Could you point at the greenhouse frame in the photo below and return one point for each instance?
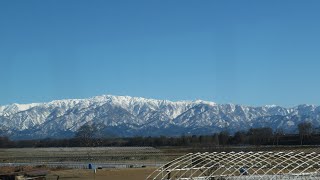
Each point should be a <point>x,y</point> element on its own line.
<point>240,166</point>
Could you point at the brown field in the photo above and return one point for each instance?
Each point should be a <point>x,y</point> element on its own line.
<point>72,163</point>
<point>102,174</point>
<point>99,155</point>
<point>82,174</point>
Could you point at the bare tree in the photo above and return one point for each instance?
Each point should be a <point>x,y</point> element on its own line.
<point>85,134</point>
<point>239,137</point>
<point>259,136</point>
<point>223,138</point>
<point>278,133</point>
<point>305,130</point>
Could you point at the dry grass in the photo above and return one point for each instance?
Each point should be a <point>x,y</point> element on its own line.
<point>82,174</point>
<point>102,174</point>
<point>17,169</point>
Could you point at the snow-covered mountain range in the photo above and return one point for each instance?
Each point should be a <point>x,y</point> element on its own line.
<point>131,116</point>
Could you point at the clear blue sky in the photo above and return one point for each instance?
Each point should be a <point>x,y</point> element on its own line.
<point>246,52</point>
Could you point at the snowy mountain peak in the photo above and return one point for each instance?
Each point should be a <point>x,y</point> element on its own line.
<point>130,116</point>
<point>204,102</point>
<point>271,106</point>
<point>14,108</point>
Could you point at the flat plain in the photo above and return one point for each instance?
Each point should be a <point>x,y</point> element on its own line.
<point>117,163</point>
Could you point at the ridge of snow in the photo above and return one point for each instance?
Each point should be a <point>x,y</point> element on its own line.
<point>138,112</point>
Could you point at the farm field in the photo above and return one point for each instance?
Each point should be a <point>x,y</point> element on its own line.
<point>115,174</point>
<point>82,174</point>
<point>78,157</point>
<point>111,162</point>
<point>73,163</point>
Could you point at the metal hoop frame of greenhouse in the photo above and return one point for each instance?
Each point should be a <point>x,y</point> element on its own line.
<point>241,166</point>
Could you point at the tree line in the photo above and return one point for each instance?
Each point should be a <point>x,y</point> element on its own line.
<point>86,137</point>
